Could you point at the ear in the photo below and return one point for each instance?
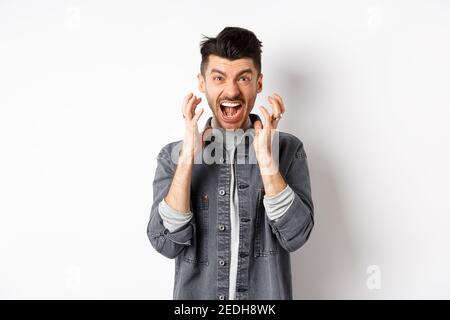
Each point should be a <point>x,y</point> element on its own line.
<point>201,83</point>
<point>259,83</point>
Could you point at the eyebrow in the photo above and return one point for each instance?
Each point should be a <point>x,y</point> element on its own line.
<point>240,72</point>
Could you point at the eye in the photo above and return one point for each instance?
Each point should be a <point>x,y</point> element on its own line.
<point>218,78</point>
<point>244,78</point>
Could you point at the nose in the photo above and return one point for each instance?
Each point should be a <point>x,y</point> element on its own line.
<point>232,89</point>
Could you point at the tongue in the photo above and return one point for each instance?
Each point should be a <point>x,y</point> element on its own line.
<point>230,111</point>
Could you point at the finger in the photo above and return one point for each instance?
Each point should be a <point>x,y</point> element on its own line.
<point>281,102</point>
<point>257,125</point>
<point>278,111</point>
<point>198,114</point>
<point>276,108</point>
<point>185,101</point>
<point>266,115</point>
<point>265,139</point>
<point>189,107</point>
<point>195,104</point>
<point>206,132</point>
<point>185,108</point>
<point>187,97</point>
<point>206,136</point>
<point>283,109</point>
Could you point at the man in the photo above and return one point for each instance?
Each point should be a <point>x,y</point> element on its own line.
<point>231,223</point>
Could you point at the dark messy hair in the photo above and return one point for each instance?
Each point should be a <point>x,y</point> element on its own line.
<point>232,43</point>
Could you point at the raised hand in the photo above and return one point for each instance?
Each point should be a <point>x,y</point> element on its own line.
<point>192,140</point>
<point>263,134</point>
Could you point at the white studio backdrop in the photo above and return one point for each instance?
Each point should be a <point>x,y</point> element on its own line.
<point>91,90</point>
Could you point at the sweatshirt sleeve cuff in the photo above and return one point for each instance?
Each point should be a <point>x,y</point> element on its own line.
<point>278,204</point>
<point>173,219</point>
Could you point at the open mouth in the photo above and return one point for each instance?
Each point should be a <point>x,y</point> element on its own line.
<point>231,111</point>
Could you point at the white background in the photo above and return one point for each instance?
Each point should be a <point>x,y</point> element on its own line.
<point>91,90</point>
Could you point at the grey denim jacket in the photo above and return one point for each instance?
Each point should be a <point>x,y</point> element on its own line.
<point>201,248</point>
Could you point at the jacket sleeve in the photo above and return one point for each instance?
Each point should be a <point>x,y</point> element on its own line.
<point>169,244</point>
<point>294,226</point>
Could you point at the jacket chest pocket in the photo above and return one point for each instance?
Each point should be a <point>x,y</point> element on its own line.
<point>266,242</point>
<point>197,252</point>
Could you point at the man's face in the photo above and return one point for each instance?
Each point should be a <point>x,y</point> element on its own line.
<point>230,88</point>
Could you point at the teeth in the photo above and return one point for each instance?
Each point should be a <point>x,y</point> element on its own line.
<point>230,104</point>
<point>230,109</point>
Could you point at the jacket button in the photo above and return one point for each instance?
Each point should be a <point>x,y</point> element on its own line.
<point>222,263</point>
<point>221,297</point>
<point>221,192</point>
<point>221,227</point>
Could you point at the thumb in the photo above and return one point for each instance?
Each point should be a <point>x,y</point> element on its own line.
<point>205,136</point>
<point>198,114</point>
<point>257,125</point>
